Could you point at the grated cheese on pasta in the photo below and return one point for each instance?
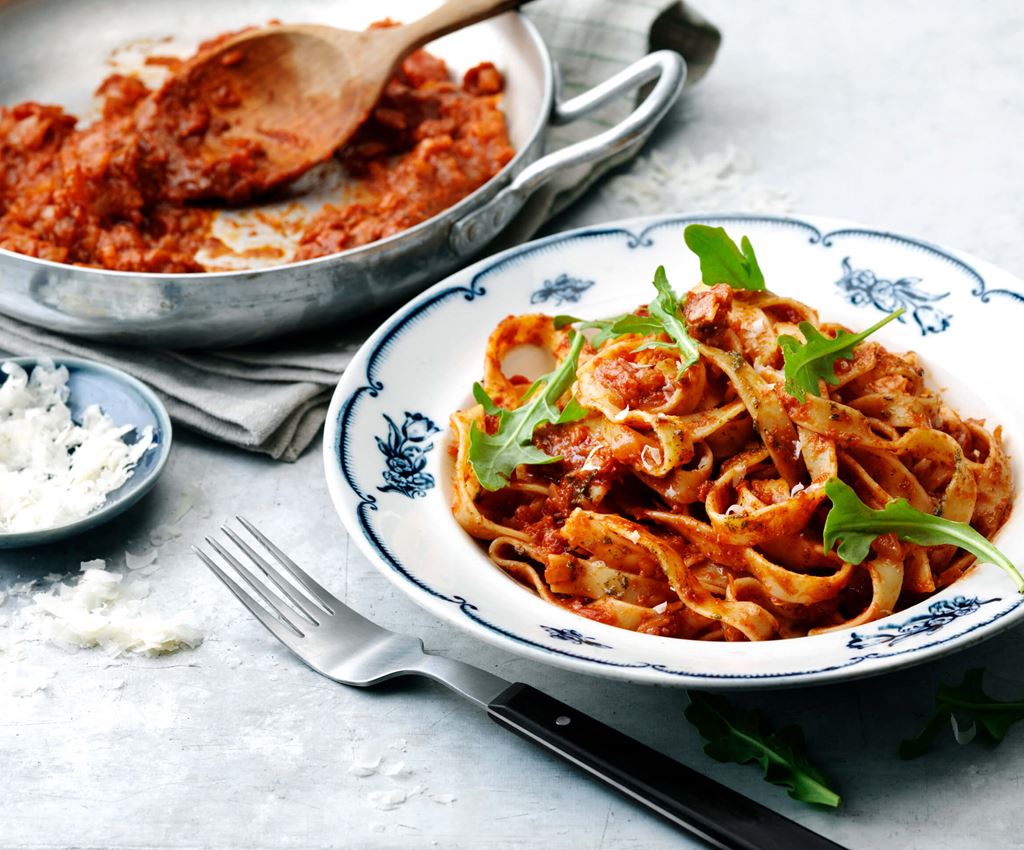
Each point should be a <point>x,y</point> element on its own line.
<point>52,470</point>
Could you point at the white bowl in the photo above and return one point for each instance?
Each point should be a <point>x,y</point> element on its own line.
<point>394,495</point>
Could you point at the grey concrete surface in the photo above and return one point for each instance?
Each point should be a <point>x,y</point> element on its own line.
<point>906,116</point>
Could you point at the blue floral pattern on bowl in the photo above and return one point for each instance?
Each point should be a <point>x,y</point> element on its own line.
<point>863,287</point>
<point>573,636</point>
<point>563,289</point>
<point>405,453</point>
<point>940,614</point>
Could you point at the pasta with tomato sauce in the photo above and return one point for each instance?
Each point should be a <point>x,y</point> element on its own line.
<point>691,503</point>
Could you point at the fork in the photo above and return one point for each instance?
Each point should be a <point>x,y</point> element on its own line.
<point>337,642</point>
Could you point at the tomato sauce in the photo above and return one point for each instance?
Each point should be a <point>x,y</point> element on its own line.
<point>109,194</point>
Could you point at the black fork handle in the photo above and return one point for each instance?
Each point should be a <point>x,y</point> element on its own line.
<point>720,816</point>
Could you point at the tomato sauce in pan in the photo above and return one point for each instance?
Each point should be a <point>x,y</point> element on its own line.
<point>108,194</point>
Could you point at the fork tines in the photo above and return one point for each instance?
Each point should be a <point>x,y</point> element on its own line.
<point>293,603</point>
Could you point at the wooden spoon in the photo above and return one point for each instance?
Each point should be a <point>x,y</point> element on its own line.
<point>264,106</point>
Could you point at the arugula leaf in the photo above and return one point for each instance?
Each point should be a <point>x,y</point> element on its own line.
<point>808,362</point>
<point>665,309</point>
<point>969,711</point>
<point>495,456</point>
<point>664,318</point>
<point>733,735</point>
<point>721,261</point>
<point>627,323</point>
<point>856,525</point>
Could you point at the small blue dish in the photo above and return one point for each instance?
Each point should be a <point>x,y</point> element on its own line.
<point>126,401</point>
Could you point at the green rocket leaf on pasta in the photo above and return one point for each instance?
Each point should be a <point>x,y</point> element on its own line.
<point>969,712</point>
<point>856,525</point>
<point>665,310</point>
<point>627,323</point>
<point>663,317</point>
<point>495,456</point>
<point>807,363</point>
<point>742,737</point>
<point>721,261</point>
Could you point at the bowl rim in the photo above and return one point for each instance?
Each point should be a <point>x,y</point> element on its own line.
<point>473,199</point>
<point>109,509</point>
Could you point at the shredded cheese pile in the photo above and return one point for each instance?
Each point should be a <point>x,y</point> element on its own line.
<point>52,470</point>
<point>100,608</point>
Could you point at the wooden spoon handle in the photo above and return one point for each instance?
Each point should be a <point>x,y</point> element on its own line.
<point>446,18</point>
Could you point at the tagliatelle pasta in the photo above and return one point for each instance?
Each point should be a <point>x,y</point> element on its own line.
<point>691,504</point>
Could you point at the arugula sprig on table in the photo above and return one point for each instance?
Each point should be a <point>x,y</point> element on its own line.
<point>495,456</point>
<point>856,525</point>
<point>807,363</point>
<point>734,735</point>
<point>969,712</point>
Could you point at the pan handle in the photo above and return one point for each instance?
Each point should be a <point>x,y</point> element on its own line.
<point>474,230</point>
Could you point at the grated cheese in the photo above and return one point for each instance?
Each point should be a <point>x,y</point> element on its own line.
<point>53,471</point>
<point>590,464</point>
<point>101,609</point>
<point>621,415</point>
<point>650,456</point>
<point>718,180</point>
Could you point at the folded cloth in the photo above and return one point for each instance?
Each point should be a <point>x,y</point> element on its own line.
<point>273,397</point>
<point>271,400</point>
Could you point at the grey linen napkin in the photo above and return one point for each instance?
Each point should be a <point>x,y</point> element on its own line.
<point>273,397</point>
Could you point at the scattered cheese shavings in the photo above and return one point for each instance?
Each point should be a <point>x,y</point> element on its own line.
<point>164,534</point>
<point>735,510</point>
<point>137,562</point>
<point>190,500</point>
<point>718,180</point>
<point>660,608</point>
<point>21,588</point>
<point>101,609</point>
<point>26,681</point>
<point>798,447</point>
<point>962,736</point>
<point>589,464</point>
<point>796,489</point>
<point>387,800</point>
<point>650,456</point>
<point>52,470</point>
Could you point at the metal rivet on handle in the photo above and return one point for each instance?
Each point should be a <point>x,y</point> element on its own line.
<point>562,720</point>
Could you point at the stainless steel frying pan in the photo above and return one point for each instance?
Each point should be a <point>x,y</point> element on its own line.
<point>57,51</point>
